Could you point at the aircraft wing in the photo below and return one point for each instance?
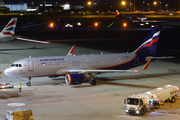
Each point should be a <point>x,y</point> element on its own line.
<point>101,71</point>
<point>110,71</point>
<point>31,40</point>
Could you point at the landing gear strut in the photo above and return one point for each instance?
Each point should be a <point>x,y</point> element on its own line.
<point>92,81</point>
<point>29,82</point>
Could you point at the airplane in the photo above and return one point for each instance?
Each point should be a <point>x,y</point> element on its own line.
<point>8,33</point>
<point>80,68</point>
<point>137,17</point>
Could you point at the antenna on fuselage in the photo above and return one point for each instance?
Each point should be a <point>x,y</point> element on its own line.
<point>30,56</point>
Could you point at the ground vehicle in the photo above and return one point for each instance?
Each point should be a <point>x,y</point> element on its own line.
<point>19,114</point>
<point>6,85</point>
<point>140,103</point>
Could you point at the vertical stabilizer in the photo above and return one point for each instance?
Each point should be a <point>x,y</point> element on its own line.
<point>10,27</point>
<point>149,44</point>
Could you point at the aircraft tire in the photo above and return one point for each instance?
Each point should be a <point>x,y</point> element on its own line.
<point>28,84</point>
<point>93,82</point>
<point>173,100</point>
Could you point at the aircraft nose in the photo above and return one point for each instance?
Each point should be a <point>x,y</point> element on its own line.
<point>8,72</point>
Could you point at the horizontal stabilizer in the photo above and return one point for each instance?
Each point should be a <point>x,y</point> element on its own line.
<point>30,40</point>
<point>147,64</point>
<point>149,57</point>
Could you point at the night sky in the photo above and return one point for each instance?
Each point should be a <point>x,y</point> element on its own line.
<point>107,1</point>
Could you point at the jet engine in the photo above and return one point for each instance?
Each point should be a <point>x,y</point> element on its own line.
<point>74,79</point>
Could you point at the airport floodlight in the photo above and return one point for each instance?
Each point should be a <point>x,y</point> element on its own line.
<point>124,24</point>
<point>89,3</point>
<point>123,3</point>
<point>51,25</point>
<point>96,24</point>
<point>155,3</point>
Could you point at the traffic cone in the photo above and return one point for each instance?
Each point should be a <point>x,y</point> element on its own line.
<point>170,106</point>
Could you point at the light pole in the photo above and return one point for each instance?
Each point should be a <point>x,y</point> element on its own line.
<point>134,6</point>
<point>89,4</point>
<point>166,7</point>
<point>155,3</point>
<point>143,5</point>
<point>147,6</point>
<point>123,3</point>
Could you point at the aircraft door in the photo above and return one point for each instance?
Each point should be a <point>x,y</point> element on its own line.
<point>30,65</point>
<point>136,60</point>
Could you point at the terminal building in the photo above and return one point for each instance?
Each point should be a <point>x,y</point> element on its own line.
<point>3,8</point>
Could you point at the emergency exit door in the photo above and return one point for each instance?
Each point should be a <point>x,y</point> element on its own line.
<point>30,65</point>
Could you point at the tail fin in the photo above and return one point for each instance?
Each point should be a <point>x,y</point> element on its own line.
<point>117,12</point>
<point>149,44</point>
<point>10,27</point>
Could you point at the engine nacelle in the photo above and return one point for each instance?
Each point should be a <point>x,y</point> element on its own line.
<point>74,79</point>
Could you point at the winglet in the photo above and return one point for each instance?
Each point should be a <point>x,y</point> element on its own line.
<point>71,50</point>
<point>147,64</point>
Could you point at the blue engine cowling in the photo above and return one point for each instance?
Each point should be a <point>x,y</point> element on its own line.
<point>74,79</point>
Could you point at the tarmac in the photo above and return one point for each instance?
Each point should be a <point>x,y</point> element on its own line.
<point>51,98</point>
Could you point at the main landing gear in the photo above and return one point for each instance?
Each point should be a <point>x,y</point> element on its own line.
<point>29,82</point>
<point>92,81</point>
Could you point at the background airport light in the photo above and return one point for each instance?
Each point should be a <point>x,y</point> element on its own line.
<point>124,24</point>
<point>89,3</point>
<point>95,24</point>
<point>51,25</point>
<point>123,3</point>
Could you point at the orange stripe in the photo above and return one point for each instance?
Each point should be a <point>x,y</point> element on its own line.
<point>70,80</point>
<point>147,64</point>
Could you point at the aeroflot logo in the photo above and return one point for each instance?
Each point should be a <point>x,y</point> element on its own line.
<point>176,91</point>
<point>54,59</point>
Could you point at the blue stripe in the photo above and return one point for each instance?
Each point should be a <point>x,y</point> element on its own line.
<point>12,28</point>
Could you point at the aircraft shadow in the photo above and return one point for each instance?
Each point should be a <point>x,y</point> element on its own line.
<point>29,48</point>
<point>139,76</point>
<point>108,80</point>
<point>8,94</point>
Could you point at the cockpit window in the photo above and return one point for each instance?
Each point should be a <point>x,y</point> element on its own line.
<point>16,65</point>
<point>12,65</point>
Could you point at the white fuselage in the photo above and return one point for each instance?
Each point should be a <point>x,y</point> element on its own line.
<point>60,65</point>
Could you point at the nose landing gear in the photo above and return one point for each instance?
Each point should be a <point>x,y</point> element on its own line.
<point>29,82</point>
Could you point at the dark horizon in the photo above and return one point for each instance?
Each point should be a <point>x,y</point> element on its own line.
<point>107,1</point>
